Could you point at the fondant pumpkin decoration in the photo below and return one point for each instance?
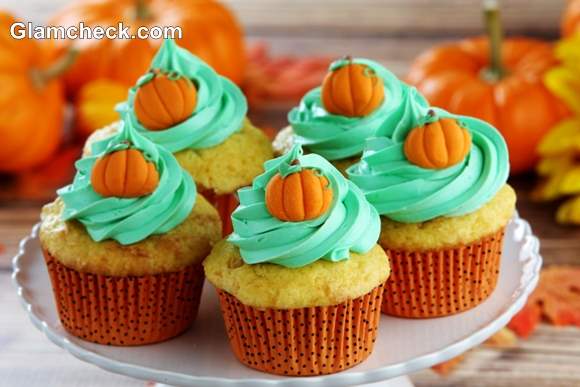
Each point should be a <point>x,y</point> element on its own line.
<point>209,30</point>
<point>165,101</point>
<point>439,144</point>
<point>300,196</point>
<point>125,174</point>
<point>352,90</point>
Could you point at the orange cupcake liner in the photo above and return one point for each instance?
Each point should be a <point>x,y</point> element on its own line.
<point>442,282</point>
<point>303,341</point>
<point>125,311</point>
<point>225,205</point>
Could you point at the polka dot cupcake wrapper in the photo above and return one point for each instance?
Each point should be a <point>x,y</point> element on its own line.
<point>225,205</point>
<point>442,282</point>
<point>304,341</point>
<point>124,311</point>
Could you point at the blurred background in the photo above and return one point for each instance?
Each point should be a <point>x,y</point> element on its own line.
<point>53,94</point>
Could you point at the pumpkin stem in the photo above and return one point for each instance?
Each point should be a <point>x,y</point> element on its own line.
<point>40,77</point>
<point>429,118</point>
<point>495,71</point>
<point>142,11</point>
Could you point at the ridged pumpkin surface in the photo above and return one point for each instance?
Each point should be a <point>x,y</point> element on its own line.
<point>299,196</point>
<point>353,90</point>
<point>165,101</point>
<point>125,174</point>
<point>438,145</point>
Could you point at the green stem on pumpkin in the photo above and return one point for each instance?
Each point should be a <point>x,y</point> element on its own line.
<point>40,77</point>
<point>495,71</point>
<point>142,11</point>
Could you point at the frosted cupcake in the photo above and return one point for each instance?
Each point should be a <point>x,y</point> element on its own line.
<point>124,244</point>
<point>441,190</point>
<point>185,106</point>
<point>301,278</point>
<point>358,99</point>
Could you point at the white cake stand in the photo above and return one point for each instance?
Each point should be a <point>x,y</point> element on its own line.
<point>201,357</point>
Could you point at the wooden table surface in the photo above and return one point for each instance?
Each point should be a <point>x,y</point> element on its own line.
<point>392,32</point>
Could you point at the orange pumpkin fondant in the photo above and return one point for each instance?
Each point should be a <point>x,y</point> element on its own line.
<point>299,196</point>
<point>165,101</point>
<point>125,173</point>
<point>353,90</point>
<point>437,145</point>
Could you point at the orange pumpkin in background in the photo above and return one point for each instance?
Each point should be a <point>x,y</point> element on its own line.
<point>352,90</point>
<point>210,31</point>
<point>518,103</point>
<point>501,83</point>
<point>570,23</point>
<point>300,196</point>
<point>124,174</point>
<point>439,144</point>
<point>31,101</point>
<point>165,101</point>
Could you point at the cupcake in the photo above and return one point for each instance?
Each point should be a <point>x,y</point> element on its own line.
<point>124,244</point>
<point>441,190</point>
<point>185,106</point>
<point>358,99</point>
<point>300,280</point>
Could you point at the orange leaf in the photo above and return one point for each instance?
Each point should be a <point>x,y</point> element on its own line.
<point>556,300</point>
<point>281,79</point>
<point>526,321</point>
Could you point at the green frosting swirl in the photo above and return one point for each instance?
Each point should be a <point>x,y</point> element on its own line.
<point>221,106</point>
<point>350,224</point>
<point>338,137</point>
<point>130,220</point>
<point>408,193</point>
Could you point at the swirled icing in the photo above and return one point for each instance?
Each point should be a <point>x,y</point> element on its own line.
<point>408,193</point>
<point>130,220</point>
<point>350,224</point>
<point>220,110</point>
<point>338,137</point>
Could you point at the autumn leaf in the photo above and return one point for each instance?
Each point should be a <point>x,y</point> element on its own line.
<point>281,79</point>
<point>556,300</point>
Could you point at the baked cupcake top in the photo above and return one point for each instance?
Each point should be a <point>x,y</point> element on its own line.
<point>300,210</point>
<point>128,189</point>
<point>182,103</point>
<point>358,98</point>
<point>321,283</point>
<point>447,165</point>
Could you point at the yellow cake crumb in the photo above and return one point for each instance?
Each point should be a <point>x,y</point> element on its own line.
<point>284,141</point>
<point>321,283</point>
<point>223,168</point>
<point>188,243</point>
<point>446,232</point>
